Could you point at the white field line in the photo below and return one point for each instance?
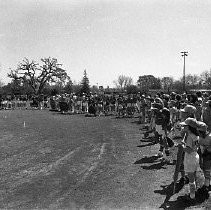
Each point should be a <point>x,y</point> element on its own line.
<point>43,170</point>
<point>48,169</point>
<point>94,165</point>
<point>63,159</point>
<point>87,173</point>
<point>102,150</point>
<point>113,148</point>
<point>52,167</point>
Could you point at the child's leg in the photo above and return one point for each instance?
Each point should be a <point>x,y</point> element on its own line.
<point>192,184</point>
<point>206,186</point>
<point>207,169</point>
<point>184,179</point>
<point>207,176</point>
<point>182,170</point>
<point>164,142</point>
<point>162,145</point>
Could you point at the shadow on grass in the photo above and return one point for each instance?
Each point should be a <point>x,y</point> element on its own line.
<point>146,140</point>
<point>167,190</point>
<point>150,159</point>
<point>137,122</point>
<point>60,113</point>
<point>53,110</point>
<point>153,159</point>
<point>146,145</point>
<point>149,139</point>
<point>182,202</point>
<point>70,113</point>
<point>156,166</point>
<point>124,117</point>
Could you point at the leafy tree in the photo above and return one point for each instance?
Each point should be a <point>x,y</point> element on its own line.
<point>95,89</point>
<point>167,83</point>
<point>206,79</point>
<point>85,88</point>
<point>54,91</point>
<point>132,89</point>
<point>147,82</point>
<point>37,76</point>
<point>68,88</point>
<point>192,81</point>
<point>6,89</point>
<point>47,90</point>
<point>178,86</point>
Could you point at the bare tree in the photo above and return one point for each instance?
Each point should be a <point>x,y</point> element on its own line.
<point>37,76</point>
<point>123,81</point>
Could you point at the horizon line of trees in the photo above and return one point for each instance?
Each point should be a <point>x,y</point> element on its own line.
<point>145,83</point>
<point>48,78</point>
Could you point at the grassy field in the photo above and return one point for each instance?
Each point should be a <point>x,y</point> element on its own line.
<point>54,161</point>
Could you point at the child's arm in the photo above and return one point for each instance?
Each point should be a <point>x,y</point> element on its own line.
<point>187,149</point>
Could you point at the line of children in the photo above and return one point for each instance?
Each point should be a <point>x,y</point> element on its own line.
<point>197,149</point>
<point>186,112</point>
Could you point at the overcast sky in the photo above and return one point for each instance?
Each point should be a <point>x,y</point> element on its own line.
<point>108,38</point>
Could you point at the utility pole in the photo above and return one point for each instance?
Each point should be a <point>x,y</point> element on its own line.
<point>183,55</point>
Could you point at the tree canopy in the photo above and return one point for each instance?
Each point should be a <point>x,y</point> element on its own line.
<point>147,82</point>
<point>37,76</point>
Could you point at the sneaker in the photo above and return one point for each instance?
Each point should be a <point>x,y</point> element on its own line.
<point>185,180</point>
<point>160,154</point>
<point>146,135</point>
<point>190,198</point>
<point>205,191</point>
<point>182,181</point>
<point>163,160</point>
<point>156,140</point>
<point>167,161</point>
<point>167,152</point>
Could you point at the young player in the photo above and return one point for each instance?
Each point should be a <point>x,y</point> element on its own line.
<point>190,147</point>
<point>162,119</point>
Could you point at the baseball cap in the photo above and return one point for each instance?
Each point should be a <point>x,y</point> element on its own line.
<point>157,106</point>
<point>208,103</point>
<point>158,100</point>
<point>202,126</point>
<point>192,122</point>
<point>190,109</point>
<point>200,99</point>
